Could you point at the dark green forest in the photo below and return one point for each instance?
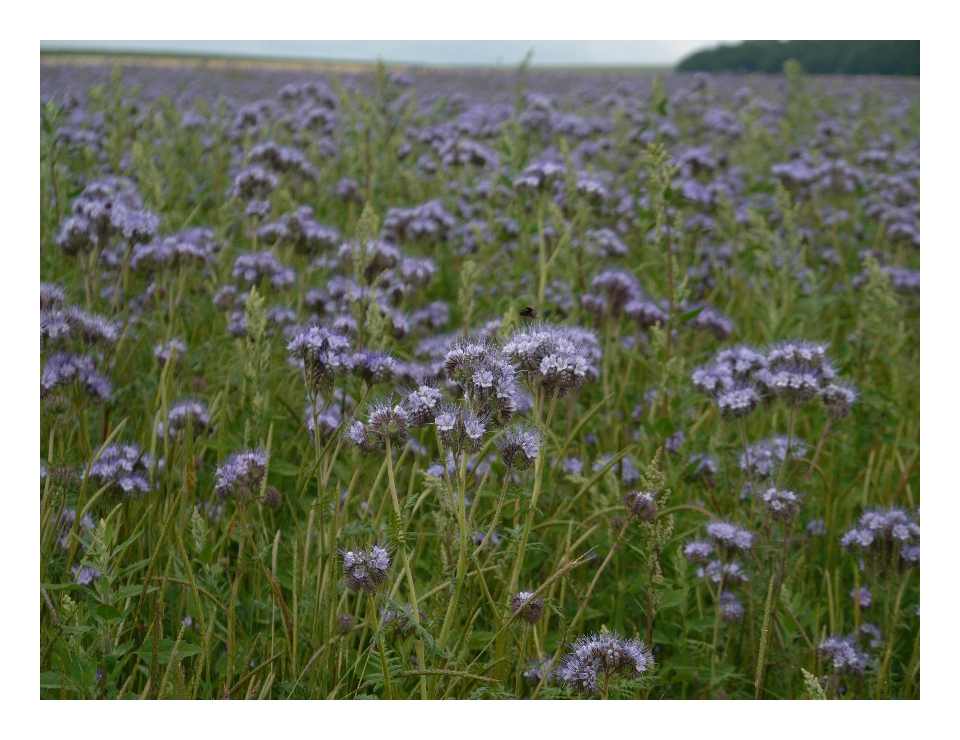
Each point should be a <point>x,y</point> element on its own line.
<point>817,57</point>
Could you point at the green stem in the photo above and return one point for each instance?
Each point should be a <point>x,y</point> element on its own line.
<point>406,565</point>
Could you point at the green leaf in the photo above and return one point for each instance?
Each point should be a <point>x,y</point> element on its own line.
<point>164,650</point>
<point>107,611</point>
<point>61,586</point>
<point>76,629</point>
<point>690,315</point>
<point>128,592</point>
<point>206,554</point>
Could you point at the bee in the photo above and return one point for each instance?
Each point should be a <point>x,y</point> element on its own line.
<point>528,312</point>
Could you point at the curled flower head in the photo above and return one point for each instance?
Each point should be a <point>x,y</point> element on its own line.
<point>641,505</point>
<point>519,447</point>
<point>698,551</point>
<point>618,288</point>
<point>527,606</point>
<point>797,371</point>
<point>389,422</point>
<point>730,573</point>
<point>240,475</point>
<point>731,609</point>
<point>363,437</point>
<point>540,667</point>
<point>782,505</point>
<point>327,422</point>
<point>558,358</point>
<point>92,328</point>
<point>486,378</point>
<point>838,400</point>
<point>373,367</point>
<point>325,356</point>
<point>862,598</point>
<point>737,402</point>
<point>768,454</point>
<point>887,538</point>
<point>177,415</point>
<point>365,570</point>
<point>423,404</point>
<point>172,351</point>
<point>729,537</point>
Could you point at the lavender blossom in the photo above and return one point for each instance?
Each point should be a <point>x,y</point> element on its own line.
<point>781,505</point>
<point>124,469</point>
<point>241,474</point>
<point>600,656</point>
<point>842,656</point>
<point>365,570</point>
<point>519,447</point>
<point>729,538</point>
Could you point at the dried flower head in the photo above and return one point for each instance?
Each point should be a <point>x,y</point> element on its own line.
<point>526,606</point>
<point>641,505</point>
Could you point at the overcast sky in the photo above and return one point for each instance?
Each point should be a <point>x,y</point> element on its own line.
<point>507,53</point>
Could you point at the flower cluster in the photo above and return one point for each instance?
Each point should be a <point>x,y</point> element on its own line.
<point>124,468</point>
<point>885,537</point>
<point>641,505</point>
<point>177,415</point>
<point>325,355</point>
<point>365,570</point>
<point>739,378</point>
<point>486,377</point>
<point>386,421</point>
<point>781,505</point>
<point>842,656</point>
<point>558,359</point>
<point>603,655</point>
<point>241,475</point>
<point>520,446</point>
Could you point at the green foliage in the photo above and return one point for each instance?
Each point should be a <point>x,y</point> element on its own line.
<point>816,57</point>
<point>202,598</point>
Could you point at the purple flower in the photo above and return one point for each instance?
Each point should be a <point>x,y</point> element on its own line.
<point>240,475</point>
<point>600,656</point>
<point>641,505</point>
<point>697,551</point>
<point>842,656</point>
<point>729,537</point>
<point>519,447</point>
<point>423,405</point>
<point>365,570</point>
<point>124,468</point>
<point>782,505</point>
<point>731,609</point>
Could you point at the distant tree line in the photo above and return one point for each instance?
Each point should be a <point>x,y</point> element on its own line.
<point>816,57</point>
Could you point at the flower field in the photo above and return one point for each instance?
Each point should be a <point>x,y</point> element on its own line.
<point>478,384</point>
